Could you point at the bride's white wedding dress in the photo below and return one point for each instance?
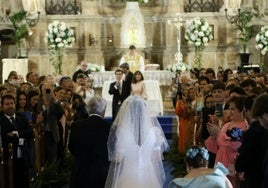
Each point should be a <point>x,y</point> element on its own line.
<point>140,165</point>
<point>136,151</point>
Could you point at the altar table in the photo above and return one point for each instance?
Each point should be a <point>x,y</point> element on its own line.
<point>162,76</point>
<point>13,64</point>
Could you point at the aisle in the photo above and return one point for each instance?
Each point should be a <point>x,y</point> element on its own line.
<point>168,168</point>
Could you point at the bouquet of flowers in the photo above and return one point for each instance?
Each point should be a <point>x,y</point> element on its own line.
<point>180,66</point>
<point>262,40</point>
<point>235,134</point>
<point>59,35</point>
<point>198,33</point>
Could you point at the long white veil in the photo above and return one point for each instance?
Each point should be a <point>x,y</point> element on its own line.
<point>135,145</point>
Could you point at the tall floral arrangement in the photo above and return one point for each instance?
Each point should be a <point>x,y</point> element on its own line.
<point>262,43</point>
<point>244,18</point>
<point>198,33</point>
<point>58,37</point>
<point>18,21</point>
<point>262,40</point>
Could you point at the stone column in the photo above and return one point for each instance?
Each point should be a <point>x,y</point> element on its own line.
<point>89,7</point>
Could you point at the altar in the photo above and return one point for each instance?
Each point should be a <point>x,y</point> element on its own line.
<point>162,76</point>
<point>154,99</point>
<point>14,64</point>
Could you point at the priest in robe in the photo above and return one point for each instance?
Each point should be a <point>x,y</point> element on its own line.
<point>134,59</point>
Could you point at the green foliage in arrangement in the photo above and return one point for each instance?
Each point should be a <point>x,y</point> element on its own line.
<point>55,175</point>
<point>244,18</point>
<point>176,159</point>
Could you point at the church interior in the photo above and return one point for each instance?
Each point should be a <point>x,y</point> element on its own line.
<point>99,39</point>
<point>103,30</point>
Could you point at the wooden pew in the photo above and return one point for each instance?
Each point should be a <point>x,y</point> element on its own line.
<point>2,167</point>
<point>10,165</point>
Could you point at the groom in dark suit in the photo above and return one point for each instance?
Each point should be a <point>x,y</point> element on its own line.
<point>88,145</point>
<point>16,130</point>
<point>120,91</point>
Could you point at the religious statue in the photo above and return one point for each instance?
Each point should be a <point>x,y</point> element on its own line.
<point>34,6</point>
<point>135,60</point>
<point>232,4</point>
<point>132,29</point>
<point>262,4</point>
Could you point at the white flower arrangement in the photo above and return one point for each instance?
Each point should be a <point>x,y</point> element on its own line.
<point>262,40</point>
<point>94,67</point>
<point>59,35</point>
<point>180,66</point>
<point>140,1</point>
<point>198,33</point>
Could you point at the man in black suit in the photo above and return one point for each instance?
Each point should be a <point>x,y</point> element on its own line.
<point>16,130</point>
<point>88,145</point>
<point>120,91</point>
<point>128,76</point>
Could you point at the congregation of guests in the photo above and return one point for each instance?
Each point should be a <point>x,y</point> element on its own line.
<point>223,113</point>
<point>43,112</point>
<point>49,107</point>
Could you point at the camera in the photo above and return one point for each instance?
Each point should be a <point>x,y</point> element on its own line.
<point>219,108</point>
<point>48,91</point>
<point>188,100</point>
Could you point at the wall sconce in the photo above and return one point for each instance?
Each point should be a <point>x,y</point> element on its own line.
<point>91,40</point>
<point>232,19</point>
<point>32,19</point>
<point>110,40</point>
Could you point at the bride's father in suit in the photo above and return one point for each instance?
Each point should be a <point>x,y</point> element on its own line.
<point>88,145</point>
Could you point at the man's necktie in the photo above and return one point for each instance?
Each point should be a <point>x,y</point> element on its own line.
<point>12,119</point>
<point>120,88</point>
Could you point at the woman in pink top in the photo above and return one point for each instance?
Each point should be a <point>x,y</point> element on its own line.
<point>228,137</point>
<point>138,86</point>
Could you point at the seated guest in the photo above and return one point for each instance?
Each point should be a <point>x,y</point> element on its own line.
<point>199,175</point>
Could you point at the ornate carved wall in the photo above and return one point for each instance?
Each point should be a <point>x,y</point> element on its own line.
<point>101,20</point>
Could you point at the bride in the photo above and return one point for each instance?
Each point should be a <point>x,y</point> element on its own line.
<point>135,146</point>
